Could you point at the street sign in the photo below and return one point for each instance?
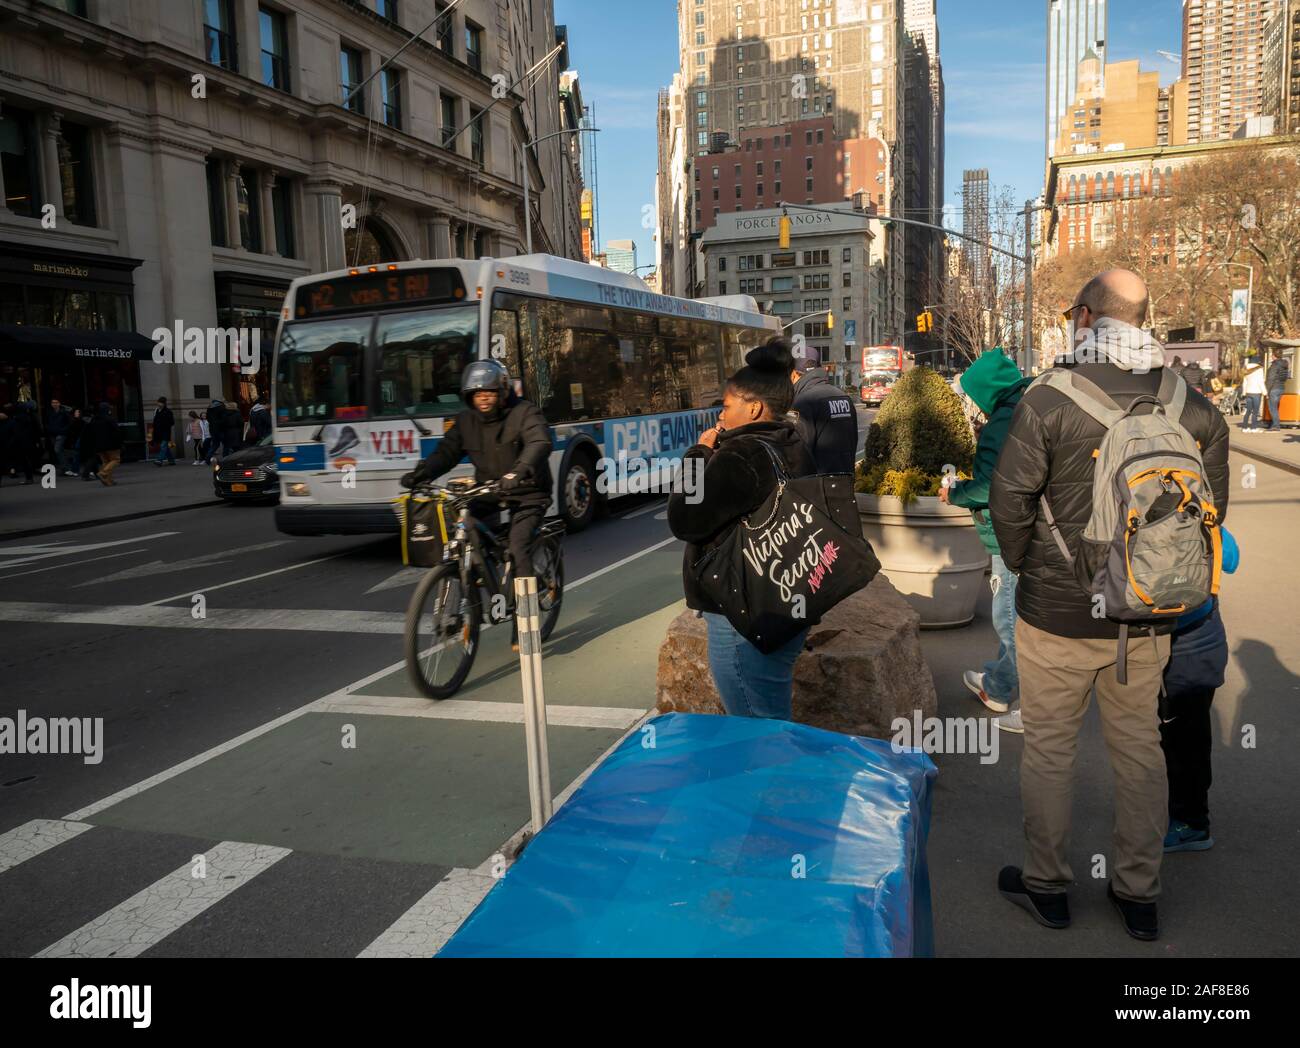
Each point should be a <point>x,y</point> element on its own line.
<point>850,332</point>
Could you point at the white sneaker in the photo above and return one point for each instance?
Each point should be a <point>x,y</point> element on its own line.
<point>1010,723</point>
<point>975,681</point>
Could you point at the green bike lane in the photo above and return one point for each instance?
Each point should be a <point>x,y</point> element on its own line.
<point>372,771</point>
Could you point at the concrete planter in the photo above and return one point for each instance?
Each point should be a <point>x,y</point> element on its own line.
<point>930,552</point>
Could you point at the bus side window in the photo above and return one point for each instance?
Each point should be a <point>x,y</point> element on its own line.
<point>503,346</point>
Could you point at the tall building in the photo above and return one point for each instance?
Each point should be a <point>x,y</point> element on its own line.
<point>975,224</point>
<point>621,255</point>
<point>1121,107</point>
<point>1223,64</point>
<point>1074,27</point>
<point>1282,68</point>
<point>924,157</point>
<point>168,163</point>
<point>757,64</point>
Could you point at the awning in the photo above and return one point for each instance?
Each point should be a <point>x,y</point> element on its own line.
<point>66,345</point>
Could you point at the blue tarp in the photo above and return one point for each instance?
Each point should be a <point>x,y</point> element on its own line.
<point>705,836</point>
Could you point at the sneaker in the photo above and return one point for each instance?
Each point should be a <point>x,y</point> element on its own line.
<point>1139,918</point>
<point>975,681</point>
<point>1182,837</point>
<point>1049,910</point>
<point>68,473</point>
<point>1010,723</point>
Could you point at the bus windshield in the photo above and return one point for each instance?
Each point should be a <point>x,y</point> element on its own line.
<point>323,367</point>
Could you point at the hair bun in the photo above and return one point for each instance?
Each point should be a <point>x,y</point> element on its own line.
<point>774,355</point>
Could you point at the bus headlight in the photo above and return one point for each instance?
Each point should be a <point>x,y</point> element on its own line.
<point>297,490</point>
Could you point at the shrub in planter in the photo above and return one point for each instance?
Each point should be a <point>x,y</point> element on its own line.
<point>920,429</point>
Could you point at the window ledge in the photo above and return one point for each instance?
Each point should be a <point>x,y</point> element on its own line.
<point>65,234</point>
<point>261,264</point>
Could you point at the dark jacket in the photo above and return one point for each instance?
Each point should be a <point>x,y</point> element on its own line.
<point>1049,451</point>
<point>995,384</point>
<point>738,478</point>
<point>29,430</point>
<point>163,421</point>
<point>259,421</point>
<point>516,441</point>
<point>101,434</point>
<point>76,427</point>
<point>828,422</point>
<point>57,424</point>
<point>232,429</point>
<point>1278,374</point>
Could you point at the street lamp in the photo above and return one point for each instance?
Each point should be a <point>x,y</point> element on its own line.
<point>819,313</point>
<point>528,204</point>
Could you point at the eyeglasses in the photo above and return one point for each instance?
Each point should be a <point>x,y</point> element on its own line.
<point>1067,314</point>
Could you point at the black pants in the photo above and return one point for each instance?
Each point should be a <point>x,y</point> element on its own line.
<point>1187,741</point>
<point>525,518</point>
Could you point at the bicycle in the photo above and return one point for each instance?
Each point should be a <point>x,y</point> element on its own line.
<point>449,607</point>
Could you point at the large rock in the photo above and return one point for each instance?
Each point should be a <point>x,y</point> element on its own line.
<point>862,667</point>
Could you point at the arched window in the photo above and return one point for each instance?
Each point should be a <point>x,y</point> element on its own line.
<point>1110,186</point>
<point>1169,181</point>
<point>1128,186</point>
<point>368,245</point>
<point>1074,188</point>
<point>1155,181</point>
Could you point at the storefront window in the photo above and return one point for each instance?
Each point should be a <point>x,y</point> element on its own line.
<point>18,159</point>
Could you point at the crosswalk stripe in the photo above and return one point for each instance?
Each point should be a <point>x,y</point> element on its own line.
<point>618,718</point>
<point>31,838</point>
<point>423,929</point>
<point>324,620</point>
<point>149,916</point>
<point>58,550</point>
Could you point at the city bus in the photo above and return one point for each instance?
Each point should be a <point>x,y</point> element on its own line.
<point>882,366</point>
<point>368,364</point>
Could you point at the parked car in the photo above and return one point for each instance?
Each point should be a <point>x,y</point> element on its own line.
<point>248,474</point>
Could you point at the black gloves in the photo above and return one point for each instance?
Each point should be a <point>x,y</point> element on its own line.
<point>509,482</point>
<point>409,480</point>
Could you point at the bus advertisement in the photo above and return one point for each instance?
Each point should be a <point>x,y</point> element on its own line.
<point>881,368</point>
<point>368,365</point>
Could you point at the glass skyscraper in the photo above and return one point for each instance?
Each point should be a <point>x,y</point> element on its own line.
<point>1074,27</point>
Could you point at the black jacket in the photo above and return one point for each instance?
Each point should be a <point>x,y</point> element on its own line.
<point>1049,451</point>
<point>101,435</point>
<point>259,421</point>
<point>163,421</point>
<point>828,422</point>
<point>516,441</point>
<point>1277,375</point>
<point>738,478</point>
<point>57,424</point>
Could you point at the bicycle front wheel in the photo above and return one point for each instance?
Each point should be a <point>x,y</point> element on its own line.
<point>442,625</point>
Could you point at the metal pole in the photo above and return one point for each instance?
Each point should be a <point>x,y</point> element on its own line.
<point>528,209</point>
<point>528,622</point>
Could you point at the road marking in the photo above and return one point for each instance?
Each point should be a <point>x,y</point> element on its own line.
<point>400,580</point>
<point>31,838</point>
<point>149,916</point>
<point>424,929</point>
<point>71,564</point>
<point>162,567</point>
<point>253,733</point>
<point>642,511</point>
<point>251,578</point>
<point>64,551</point>
<point>622,563</point>
<point>616,717</point>
<point>304,620</point>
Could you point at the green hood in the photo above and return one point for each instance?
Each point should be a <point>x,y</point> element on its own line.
<point>988,378</point>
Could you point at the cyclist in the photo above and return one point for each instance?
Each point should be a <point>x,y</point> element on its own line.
<point>507,441</point>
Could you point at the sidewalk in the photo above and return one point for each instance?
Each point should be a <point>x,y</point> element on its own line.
<point>1281,449</point>
<point>142,490</point>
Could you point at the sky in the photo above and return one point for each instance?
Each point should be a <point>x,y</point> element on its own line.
<point>994,59</point>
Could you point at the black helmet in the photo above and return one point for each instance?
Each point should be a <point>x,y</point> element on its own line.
<point>484,376</point>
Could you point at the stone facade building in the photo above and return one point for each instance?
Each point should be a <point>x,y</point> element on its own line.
<point>178,162</point>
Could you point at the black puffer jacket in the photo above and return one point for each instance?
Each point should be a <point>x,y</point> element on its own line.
<point>516,441</point>
<point>738,478</point>
<point>1049,451</point>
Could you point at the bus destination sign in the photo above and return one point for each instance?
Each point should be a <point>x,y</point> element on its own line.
<point>367,291</point>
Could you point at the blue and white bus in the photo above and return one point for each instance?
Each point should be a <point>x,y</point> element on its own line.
<point>368,364</point>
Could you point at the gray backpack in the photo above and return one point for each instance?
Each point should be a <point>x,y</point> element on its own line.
<point>1154,530</point>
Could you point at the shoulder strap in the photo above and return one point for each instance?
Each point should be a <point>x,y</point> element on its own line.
<point>777,464</point>
<point>1173,395</point>
<point>1086,394</point>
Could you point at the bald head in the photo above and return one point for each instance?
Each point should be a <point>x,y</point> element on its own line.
<point>1117,293</point>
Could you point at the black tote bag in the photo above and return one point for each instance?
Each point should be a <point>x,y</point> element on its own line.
<point>781,570</point>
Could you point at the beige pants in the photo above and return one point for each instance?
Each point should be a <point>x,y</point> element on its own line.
<point>109,461</point>
<point>1057,675</point>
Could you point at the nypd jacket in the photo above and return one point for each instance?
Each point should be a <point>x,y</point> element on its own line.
<point>827,422</point>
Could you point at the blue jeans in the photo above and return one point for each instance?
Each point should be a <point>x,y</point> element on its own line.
<point>1252,411</point>
<point>165,453</point>
<point>1275,407</point>
<point>751,684</point>
<point>1000,678</point>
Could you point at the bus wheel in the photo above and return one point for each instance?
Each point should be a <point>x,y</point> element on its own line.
<point>578,494</point>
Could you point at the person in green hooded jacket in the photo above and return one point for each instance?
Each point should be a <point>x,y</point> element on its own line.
<point>995,384</point>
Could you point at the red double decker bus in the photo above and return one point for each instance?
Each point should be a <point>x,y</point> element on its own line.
<point>881,368</point>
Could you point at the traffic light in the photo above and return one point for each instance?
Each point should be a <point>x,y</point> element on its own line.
<point>925,322</point>
<point>785,232</point>
<point>830,321</point>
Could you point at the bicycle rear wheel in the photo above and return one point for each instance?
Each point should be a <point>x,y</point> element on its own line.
<point>548,563</point>
<point>442,626</point>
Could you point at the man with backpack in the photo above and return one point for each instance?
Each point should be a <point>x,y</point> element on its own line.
<point>1105,502</point>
